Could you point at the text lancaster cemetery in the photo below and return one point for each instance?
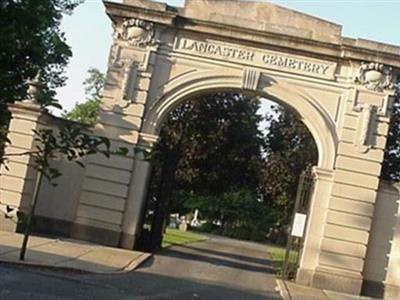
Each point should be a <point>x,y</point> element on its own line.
<point>261,58</point>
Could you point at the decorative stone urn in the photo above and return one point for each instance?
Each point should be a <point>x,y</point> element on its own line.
<point>375,76</point>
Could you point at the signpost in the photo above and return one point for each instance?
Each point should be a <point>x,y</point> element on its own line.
<point>296,234</point>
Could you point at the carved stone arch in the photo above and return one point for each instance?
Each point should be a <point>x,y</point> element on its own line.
<point>312,114</point>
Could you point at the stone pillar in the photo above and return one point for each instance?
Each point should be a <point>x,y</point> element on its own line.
<point>137,195</point>
<point>392,281</point>
<point>347,227</point>
<point>315,225</point>
<point>17,177</point>
<point>106,186</point>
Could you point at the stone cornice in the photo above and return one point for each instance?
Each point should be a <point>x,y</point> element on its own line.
<point>346,49</point>
<point>26,108</point>
<point>36,112</point>
<point>122,11</point>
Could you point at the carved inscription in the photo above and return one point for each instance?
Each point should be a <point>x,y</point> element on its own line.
<point>268,59</point>
<point>214,49</point>
<point>295,64</point>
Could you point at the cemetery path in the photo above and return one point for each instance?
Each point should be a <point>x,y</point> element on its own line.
<point>218,268</point>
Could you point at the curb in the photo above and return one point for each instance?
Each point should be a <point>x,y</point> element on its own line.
<point>282,289</point>
<point>43,266</point>
<point>131,266</point>
<point>136,263</point>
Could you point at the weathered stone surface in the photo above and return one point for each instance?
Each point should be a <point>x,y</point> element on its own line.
<point>263,17</point>
<point>162,56</point>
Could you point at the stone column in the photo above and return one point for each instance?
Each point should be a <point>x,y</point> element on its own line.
<point>17,176</point>
<point>347,227</point>
<point>392,282</point>
<point>137,195</point>
<point>315,225</point>
<point>106,185</point>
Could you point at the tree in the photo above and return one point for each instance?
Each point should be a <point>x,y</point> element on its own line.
<point>31,43</point>
<point>207,146</point>
<point>32,46</point>
<point>88,111</point>
<point>290,148</point>
<point>239,212</point>
<point>391,161</point>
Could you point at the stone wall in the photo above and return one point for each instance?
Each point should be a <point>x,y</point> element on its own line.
<point>57,205</point>
<point>383,245</point>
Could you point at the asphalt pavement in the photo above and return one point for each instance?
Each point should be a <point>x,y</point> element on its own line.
<point>218,268</point>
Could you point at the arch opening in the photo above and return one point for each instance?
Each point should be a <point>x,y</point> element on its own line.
<point>176,111</point>
<point>316,119</point>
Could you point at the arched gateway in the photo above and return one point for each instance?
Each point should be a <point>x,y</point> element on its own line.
<point>341,87</point>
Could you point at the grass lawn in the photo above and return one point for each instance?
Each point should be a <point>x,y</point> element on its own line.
<point>278,256</point>
<point>176,237</point>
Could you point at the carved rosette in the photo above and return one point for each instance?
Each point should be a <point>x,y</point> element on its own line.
<point>135,32</point>
<point>375,76</point>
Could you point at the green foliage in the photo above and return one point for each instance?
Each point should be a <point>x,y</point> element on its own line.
<point>207,146</point>
<point>239,213</point>
<point>290,148</point>
<point>4,121</point>
<point>391,162</point>
<point>31,41</point>
<point>94,84</point>
<point>237,210</point>
<point>70,142</point>
<point>88,111</point>
<point>85,112</point>
<point>217,142</point>
<point>277,255</point>
<point>213,157</point>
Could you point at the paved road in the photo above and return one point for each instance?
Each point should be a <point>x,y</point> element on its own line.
<point>215,269</point>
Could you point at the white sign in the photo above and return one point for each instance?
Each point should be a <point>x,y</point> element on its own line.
<point>299,223</point>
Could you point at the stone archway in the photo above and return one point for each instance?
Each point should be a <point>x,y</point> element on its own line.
<point>310,111</point>
<point>341,87</point>
<point>312,114</point>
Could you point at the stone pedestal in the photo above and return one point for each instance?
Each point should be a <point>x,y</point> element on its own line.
<point>17,176</point>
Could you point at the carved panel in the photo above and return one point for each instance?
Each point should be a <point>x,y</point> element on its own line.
<point>115,56</point>
<point>135,32</point>
<point>365,129</point>
<point>251,78</point>
<point>375,76</point>
<point>129,80</point>
<point>368,114</point>
<point>382,109</point>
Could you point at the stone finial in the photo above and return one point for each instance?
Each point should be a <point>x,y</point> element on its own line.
<point>375,76</point>
<point>136,32</point>
<point>34,89</point>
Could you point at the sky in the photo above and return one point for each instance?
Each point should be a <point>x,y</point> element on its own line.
<point>88,32</point>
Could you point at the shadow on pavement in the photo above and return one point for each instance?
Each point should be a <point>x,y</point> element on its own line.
<point>254,260</point>
<point>203,255</point>
<point>161,287</point>
<point>132,286</point>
